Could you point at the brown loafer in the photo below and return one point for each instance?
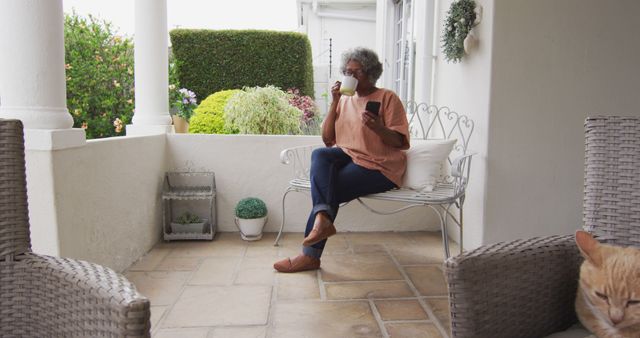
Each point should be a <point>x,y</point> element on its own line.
<point>318,233</point>
<point>299,263</point>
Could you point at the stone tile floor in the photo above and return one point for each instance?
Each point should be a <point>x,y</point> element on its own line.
<point>385,284</point>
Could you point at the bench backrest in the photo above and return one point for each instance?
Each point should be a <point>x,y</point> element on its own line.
<point>426,122</point>
<point>429,122</point>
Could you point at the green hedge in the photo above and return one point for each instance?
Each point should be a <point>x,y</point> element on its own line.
<point>213,60</point>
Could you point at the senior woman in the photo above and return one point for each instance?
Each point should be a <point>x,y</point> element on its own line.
<point>363,153</point>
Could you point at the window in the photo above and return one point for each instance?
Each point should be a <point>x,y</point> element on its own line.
<point>403,51</point>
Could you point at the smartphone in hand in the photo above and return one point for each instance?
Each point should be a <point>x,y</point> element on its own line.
<point>373,107</point>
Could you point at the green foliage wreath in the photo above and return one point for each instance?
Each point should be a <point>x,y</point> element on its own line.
<point>460,19</point>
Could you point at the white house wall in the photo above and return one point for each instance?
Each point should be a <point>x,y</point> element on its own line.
<point>555,63</point>
<point>101,202</point>
<point>541,68</point>
<point>465,88</point>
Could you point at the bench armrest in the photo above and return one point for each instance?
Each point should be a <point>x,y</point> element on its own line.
<point>459,173</point>
<point>524,288</point>
<point>461,165</point>
<point>300,158</point>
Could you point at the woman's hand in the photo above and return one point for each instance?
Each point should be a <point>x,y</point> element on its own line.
<point>329,123</point>
<point>371,121</point>
<point>335,91</point>
<point>388,136</point>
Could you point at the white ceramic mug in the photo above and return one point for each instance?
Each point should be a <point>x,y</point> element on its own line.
<point>348,85</point>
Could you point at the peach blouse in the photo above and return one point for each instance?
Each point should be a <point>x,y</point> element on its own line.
<point>363,145</point>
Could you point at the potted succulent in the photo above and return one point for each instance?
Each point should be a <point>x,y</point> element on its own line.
<point>251,216</point>
<point>188,223</point>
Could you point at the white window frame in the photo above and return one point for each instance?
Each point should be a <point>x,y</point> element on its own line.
<point>403,50</point>
<point>420,44</point>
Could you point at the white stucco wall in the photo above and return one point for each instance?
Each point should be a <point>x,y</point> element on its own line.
<point>541,68</point>
<point>101,202</point>
<point>555,63</point>
<point>106,199</point>
<point>465,87</point>
<point>249,165</point>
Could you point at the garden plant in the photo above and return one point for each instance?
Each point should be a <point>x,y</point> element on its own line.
<point>99,74</point>
<point>209,117</point>
<point>262,110</point>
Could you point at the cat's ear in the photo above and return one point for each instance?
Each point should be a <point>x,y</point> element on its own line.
<point>588,247</point>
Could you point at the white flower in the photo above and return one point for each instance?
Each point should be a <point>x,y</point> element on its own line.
<point>462,21</point>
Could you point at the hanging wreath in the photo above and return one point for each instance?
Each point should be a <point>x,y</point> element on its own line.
<point>461,18</point>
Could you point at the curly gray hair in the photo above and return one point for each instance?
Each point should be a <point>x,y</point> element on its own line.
<point>367,58</point>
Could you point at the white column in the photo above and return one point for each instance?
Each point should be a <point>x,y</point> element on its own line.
<point>32,75</point>
<point>151,69</point>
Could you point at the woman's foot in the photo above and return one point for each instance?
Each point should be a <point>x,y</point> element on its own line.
<point>322,229</point>
<point>299,263</point>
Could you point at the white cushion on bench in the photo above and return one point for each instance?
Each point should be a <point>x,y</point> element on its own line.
<point>425,160</point>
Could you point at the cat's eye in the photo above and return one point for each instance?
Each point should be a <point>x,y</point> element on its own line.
<point>633,302</point>
<point>602,296</point>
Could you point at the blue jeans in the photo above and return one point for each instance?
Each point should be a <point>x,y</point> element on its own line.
<point>335,179</point>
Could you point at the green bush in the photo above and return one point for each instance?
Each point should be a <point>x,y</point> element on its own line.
<point>210,61</point>
<point>262,110</point>
<point>251,207</point>
<point>208,117</point>
<point>99,71</point>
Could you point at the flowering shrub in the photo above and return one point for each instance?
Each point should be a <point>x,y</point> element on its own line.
<point>262,110</point>
<point>118,125</point>
<point>99,72</point>
<point>209,118</point>
<point>309,120</point>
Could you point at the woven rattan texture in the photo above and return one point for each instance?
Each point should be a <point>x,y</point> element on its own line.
<point>14,214</point>
<point>524,288</point>
<point>612,179</point>
<point>42,296</point>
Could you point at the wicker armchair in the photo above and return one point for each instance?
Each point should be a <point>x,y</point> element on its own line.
<point>42,296</point>
<point>526,288</point>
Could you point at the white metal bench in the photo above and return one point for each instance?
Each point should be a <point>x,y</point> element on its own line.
<point>426,122</point>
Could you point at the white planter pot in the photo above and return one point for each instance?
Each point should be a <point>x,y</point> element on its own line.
<point>188,227</point>
<point>251,229</point>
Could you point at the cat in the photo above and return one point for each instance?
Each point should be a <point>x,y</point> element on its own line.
<point>608,297</point>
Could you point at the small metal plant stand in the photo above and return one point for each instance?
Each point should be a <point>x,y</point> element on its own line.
<point>192,191</point>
